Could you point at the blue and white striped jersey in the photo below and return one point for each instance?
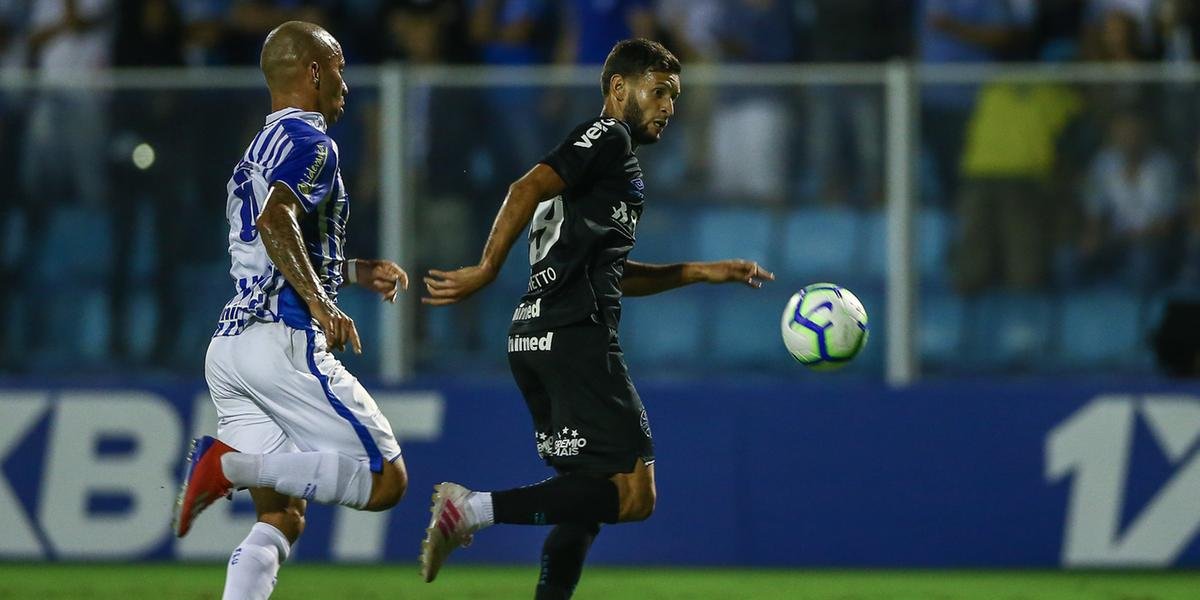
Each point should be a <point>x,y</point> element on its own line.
<point>293,149</point>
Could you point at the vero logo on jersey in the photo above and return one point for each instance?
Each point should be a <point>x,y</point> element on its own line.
<point>593,132</point>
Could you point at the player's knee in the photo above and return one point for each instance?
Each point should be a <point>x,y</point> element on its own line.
<point>638,505</point>
<point>383,498</point>
<point>388,488</point>
<point>645,506</point>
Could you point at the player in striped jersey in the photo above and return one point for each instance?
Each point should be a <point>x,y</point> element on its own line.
<point>293,424</point>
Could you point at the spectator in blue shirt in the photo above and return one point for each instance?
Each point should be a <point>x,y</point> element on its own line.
<point>963,31</point>
<point>591,27</point>
<point>509,32</point>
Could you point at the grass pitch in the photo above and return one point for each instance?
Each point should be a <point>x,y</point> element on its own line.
<point>401,582</point>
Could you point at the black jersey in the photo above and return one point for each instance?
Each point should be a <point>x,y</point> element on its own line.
<point>578,241</point>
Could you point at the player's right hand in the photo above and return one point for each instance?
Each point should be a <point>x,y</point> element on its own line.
<point>448,287</point>
<point>338,326</point>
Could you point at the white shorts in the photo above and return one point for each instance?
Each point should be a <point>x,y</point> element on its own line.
<point>278,389</point>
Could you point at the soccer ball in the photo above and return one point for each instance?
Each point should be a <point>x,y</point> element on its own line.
<point>824,326</point>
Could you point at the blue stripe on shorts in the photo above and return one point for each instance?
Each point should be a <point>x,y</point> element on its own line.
<point>368,442</point>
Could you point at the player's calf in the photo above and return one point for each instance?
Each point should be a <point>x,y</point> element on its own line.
<point>281,512</point>
<point>563,555</point>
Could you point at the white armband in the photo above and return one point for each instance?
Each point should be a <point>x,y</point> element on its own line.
<point>352,271</point>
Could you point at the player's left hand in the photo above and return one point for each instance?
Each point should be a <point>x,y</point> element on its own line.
<point>383,277</point>
<point>735,271</point>
<point>448,287</point>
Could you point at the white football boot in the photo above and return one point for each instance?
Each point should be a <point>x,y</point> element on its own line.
<point>450,527</point>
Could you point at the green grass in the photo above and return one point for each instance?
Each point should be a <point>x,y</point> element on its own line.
<point>401,582</point>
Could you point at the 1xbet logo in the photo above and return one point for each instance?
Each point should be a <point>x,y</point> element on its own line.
<point>1094,449</point>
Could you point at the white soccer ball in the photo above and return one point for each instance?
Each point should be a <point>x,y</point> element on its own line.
<point>824,326</point>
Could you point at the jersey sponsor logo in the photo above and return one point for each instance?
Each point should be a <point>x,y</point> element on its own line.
<point>593,132</point>
<point>106,463</point>
<point>541,278</point>
<point>625,216</point>
<point>310,175</point>
<point>1095,448</point>
<point>563,442</point>
<point>546,228</point>
<point>528,310</point>
<point>531,343</point>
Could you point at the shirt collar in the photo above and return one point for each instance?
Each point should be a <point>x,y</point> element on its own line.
<point>313,118</point>
<point>633,145</point>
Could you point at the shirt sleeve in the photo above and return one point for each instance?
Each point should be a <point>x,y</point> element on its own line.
<point>1022,13</point>
<point>582,157</point>
<point>1095,193</point>
<point>309,170</point>
<point>1165,187</point>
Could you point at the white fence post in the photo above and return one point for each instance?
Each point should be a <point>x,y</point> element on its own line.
<point>900,97</point>
<point>395,227</point>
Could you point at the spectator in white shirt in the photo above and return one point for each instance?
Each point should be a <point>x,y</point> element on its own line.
<point>70,42</point>
<point>1131,206</point>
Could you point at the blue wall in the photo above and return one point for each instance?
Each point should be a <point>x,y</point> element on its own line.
<point>756,472</point>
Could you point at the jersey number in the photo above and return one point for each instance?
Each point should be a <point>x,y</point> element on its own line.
<point>546,228</point>
<point>249,213</point>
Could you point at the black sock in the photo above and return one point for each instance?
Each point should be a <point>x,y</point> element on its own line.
<point>564,499</point>
<point>562,559</point>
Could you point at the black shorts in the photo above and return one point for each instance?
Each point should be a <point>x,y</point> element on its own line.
<point>587,416</point>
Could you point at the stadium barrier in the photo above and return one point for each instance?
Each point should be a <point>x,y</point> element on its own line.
<point>954,474</point>
<point>404,96</point>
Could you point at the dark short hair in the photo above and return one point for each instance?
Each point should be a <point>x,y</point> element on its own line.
<point>631,58</point>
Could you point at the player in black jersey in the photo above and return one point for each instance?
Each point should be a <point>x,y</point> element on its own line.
<point>584,200</point>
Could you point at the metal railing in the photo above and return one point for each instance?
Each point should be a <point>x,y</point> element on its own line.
<point>900,84</point>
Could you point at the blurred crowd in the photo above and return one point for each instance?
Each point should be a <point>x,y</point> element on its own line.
<point>229,32</point>
<point>1047,185</point>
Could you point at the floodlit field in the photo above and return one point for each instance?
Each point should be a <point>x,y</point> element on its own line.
<point>401,582</point>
